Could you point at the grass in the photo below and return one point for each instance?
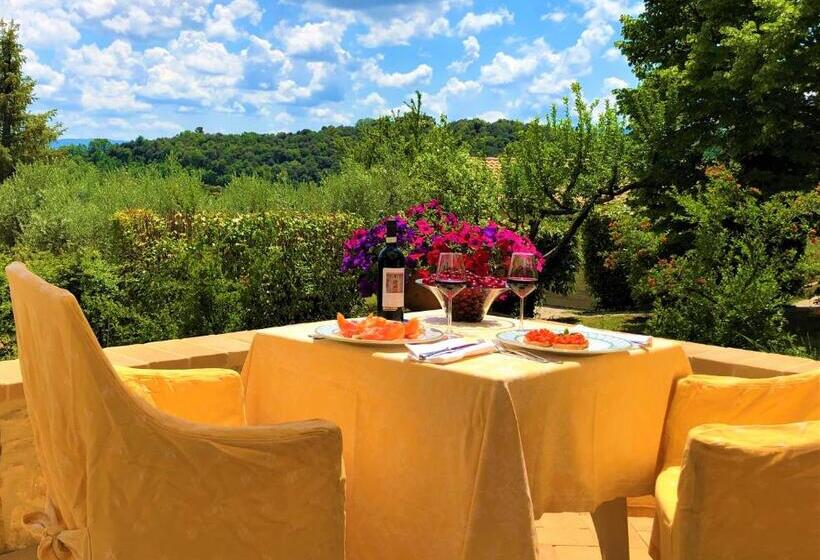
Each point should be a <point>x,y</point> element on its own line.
<point>623,322</point>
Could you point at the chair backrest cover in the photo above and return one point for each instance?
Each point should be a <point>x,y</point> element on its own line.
<point>127,481</point>
<point>73,396</point>
<point>709,399</point>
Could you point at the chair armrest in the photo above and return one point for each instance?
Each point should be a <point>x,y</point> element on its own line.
<point>208,395</point>
<point>749,492</point>
<point>213,492</point>
<point>706,399</point>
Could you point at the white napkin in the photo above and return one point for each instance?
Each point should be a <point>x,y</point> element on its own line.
<point>461,348</point>
<point>642,340</point>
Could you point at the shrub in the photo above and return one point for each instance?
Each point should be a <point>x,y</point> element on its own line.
<point>100,286</point>
<point>257,269</point>
<point>256,194</point>
<point>67,205</point>
<point>731,286</point>
<point>605,276</point>
<point>561,269</point>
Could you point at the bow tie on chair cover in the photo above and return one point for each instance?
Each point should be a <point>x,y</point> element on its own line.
<point>56,541</point>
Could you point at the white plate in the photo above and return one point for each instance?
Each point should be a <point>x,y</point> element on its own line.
<point>332,332</point>
<point>599,343</point>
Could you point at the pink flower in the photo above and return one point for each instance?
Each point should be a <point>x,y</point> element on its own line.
<point>424,227</point>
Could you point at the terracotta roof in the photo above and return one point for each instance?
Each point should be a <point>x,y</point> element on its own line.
<point>492,163</point>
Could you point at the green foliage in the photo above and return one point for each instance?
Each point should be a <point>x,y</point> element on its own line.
<point>101,288</point>
<point>738,80</point>
<point>486,139</point>
<point>255,194</point>
<point>606,278</point>
<point>370,193</point>
<point>401,159</point>
<point>240,271</point>
<point>299,157</point>
<point>559,170</point>
<point>24,136</point>
<point>562,266</point>
<point>68,205</point>
<point>731,286</point>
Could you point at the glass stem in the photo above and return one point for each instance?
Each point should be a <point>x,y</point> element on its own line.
<point>449,317</point>
<point>521,315</point>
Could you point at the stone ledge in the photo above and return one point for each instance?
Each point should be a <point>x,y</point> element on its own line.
<point>716,360</point>
<point>217,350</point>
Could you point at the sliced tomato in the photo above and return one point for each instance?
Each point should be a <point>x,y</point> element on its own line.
<point>413,328</point>
<point>346,327</point>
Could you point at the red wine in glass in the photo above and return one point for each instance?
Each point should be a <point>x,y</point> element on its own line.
<point>451,278</point>
<point>450,287</point>
<point>522,287</point>
<point>522,278</point>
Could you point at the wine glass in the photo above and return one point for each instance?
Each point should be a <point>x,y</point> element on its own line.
<point>522,278</point>
<point>451,278</point>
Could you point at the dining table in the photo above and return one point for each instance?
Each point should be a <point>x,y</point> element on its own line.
<point>456,461</point>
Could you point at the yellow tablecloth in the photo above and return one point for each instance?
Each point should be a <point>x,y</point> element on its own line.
<point>453,462</point>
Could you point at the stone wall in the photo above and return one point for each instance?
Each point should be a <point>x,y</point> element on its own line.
<point>22,488</point>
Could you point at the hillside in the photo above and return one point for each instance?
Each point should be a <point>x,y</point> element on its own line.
<point>304,156</point>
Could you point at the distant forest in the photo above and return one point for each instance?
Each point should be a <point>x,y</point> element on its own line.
<point>304,156</point>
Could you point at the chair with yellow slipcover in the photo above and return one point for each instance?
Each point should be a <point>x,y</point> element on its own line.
<point>740,470</point>
<point>127,481</point>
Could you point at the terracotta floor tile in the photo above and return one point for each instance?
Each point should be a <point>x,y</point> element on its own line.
<point>547,552</point>
<point>577,553</point>
<point>641,523</point>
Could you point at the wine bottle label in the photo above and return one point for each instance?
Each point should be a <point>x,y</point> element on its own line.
<point>392,288</point>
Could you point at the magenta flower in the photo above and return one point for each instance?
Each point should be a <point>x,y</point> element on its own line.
<point>424,232</point>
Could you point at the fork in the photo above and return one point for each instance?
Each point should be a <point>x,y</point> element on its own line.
<point>523,354</point>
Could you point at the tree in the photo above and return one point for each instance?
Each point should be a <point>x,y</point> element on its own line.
<point>565,166</point>
<point>24,137</point>
<point>737,80</point>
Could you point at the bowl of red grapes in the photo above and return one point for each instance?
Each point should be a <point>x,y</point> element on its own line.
<point>473,296</point>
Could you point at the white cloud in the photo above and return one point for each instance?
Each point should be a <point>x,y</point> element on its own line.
<point>472,50</point>
<point>576,60</point>
<point>117,60</point>
<point>505,68</point>
<point>96,8</point>
<point>328,115</point>
<point>373,100</point>
<point>149,17</point>
<point>454,87</point>
<point>556,16</point>
<point>313,38</point>
<point>608,10</point>
<point>283,117</point>
<point>399,30</point>
<point>192,68</point>
<point>49,81</point>
<point>612,82</point>
<point>491,116</point>
<point>371,71</point>
<point>260,51</point>
<point>225,15</point>
<point>48,25</point>
<point>110,95</point>
<point>612,54</point>
<point>288,91</point>
<point>473,23</point>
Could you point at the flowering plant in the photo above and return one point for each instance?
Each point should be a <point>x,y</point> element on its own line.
<point>426,230</point>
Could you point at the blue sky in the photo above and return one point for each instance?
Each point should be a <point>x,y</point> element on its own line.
<point>122,68</point>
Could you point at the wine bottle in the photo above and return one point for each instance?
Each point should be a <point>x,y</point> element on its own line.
<point>390,295</point>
